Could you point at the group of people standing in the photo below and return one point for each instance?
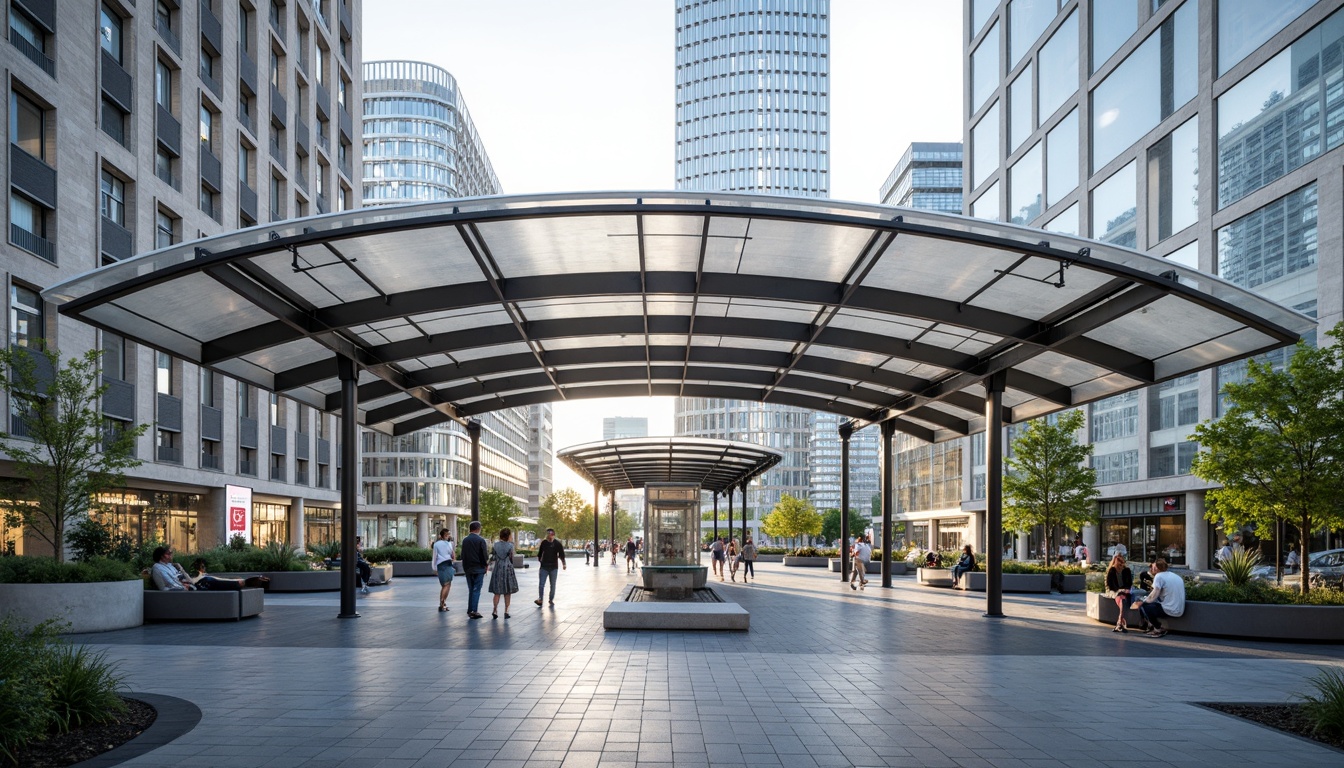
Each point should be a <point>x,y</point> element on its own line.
<point>479,558</point>
<point>632,549</point>
<point>727,552</point>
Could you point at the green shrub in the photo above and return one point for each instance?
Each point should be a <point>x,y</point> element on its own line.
<point>1017,566</point>
<point>84,686</point>
<point>812,552</point>
<point>90,539</point>
<point>397,554</point>
<point>772,550</point>
<point>1326,708</point>
<point>328,551</point>
<point>25,704</point>
<point>1261,593</point>
<point>280,557</point>
<point>1238,566</point>
<point>45,570</point>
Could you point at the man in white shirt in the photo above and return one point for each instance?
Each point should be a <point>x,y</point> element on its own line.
<point>166,575</point>
<point>863,553</point>
<point>1167,598</point>
<point>1080,554</point>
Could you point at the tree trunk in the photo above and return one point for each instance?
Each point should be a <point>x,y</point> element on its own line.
<point>1304,534</point>
<point>1049,546</point>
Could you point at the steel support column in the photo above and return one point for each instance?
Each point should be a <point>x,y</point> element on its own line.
<point>742,540</point>
<point>611,499</point>
<point>474,430</point>
<point>730,521</point>
<point>716,515</point>
<point>597,529</point>
<point>888,496</point>
<point>349,482</point>
<point>994,494</point>
<point>846,430</point>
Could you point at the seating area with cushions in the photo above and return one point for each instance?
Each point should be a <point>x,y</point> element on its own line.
<point>203,605</point>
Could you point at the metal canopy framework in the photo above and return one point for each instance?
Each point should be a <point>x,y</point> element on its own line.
<point>876,313</point>
<point>715,465</point>
<point>931,324</point>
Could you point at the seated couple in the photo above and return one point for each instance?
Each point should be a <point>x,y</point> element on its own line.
<point>169,576</point>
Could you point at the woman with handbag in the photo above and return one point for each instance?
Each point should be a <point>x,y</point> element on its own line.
<point>734,558</point>
<point>503,581</point>
<point>1119,582</point>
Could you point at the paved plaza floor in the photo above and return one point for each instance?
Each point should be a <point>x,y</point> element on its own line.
<point>906,676</point>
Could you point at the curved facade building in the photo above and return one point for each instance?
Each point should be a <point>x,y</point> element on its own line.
<point>420,145</point>
<point>419,141</point>
<point>753,96</point>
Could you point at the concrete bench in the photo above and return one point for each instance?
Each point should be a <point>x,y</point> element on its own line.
<point>1238,620</point>
<point>975,581</point>
<point>934,577</point>
<point>201,605</point>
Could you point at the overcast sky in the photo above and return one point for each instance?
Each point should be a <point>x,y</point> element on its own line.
<point>579,95</point>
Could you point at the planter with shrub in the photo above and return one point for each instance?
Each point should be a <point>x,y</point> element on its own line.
<point>1254,611</point>
<point>808,557</point>
<point>94,596</point>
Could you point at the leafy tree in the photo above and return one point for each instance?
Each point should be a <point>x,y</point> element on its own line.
<point>1048,482</point>
<point>830,524</point>
<point>1278,450</point>
<point>66,459</point>
<point>791,518</point>
<point>564,510</point>
<point>498,510</point>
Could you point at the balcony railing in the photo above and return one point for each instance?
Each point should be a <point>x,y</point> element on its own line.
<point>301,477</point>
<point>33,53</point>
<point>247,467</point>
<point>169,36</point>
<point>211,461</point>
<point>169,454</point>
<point>32,243</point>
<point>278,474</point>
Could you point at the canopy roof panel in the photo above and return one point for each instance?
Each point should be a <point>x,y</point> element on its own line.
<point>714,465</point>
<point>456,308</point>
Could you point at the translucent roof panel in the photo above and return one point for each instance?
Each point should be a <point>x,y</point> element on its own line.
<point>868,311</point>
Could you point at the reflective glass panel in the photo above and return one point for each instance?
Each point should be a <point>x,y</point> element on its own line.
<point>987,205</point>
<point>985,147</point>
<point>1058,77</point>
<point>985,68</point>
<point>1113,21</point>
<point>1061,146</point>
<point>1186,255</point>
<point>1244,25</point>
<point>1065,223</point>
<point>1273,120</point>
<point>1114,210</point>
<point>1265,246</point>
<point>981,10</point>
<point>1027,19</point>
<point>1024,190</point>
<point>1019,110</point>
<point>1158,78</point>
<point>1173,182</point>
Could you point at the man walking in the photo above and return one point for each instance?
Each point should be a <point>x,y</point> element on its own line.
<point>550,553</point>
<point>475,558</point>
<point>716,557</point>
<point>630,550</point>
<point>587,553</point>
<point>862,554</point>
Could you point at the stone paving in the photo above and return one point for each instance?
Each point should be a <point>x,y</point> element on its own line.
<point>827,676</point>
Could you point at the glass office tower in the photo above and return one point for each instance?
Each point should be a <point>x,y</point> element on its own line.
<point>1202,131</point>
<point>420,144</point>
<point>753,113</point>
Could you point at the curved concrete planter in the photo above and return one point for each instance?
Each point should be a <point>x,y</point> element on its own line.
<point>1074,582</point>
<point>974,581</point>
<point>311,581</point>
<point>1237,620</point>
<point>96,607</point>
<point>897,569</point>
<point>791,561</point>
<point>934,577</point>
<point>770,558</point>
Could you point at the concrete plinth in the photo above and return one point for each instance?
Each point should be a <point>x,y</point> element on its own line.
<point>679,616</point>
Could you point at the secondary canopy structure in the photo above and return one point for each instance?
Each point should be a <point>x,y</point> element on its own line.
<point>718,466</point>
<point>931,324</point>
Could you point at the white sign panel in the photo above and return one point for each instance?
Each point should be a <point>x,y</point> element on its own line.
<point>238,503</point>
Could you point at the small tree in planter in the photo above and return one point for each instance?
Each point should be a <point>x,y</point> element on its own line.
<point>830,525</point>
<point>792,518</point>
<point>65,457</point>
<point>1278,450</point>
<point>1048,482</point>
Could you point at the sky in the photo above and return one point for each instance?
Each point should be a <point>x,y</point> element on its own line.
<point>579,96</point>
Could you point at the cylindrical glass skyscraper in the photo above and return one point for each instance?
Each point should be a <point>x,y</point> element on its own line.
<point>753,96</point>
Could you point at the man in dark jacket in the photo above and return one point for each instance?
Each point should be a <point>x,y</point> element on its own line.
<point>550,555</point>
<point>475,558</point>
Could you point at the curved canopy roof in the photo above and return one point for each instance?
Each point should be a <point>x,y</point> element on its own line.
<point>715,465</point>
<point>455,308</point>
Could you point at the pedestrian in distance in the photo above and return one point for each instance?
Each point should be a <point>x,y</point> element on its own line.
<point>748,560</point>
<point>965,564</point>
<point>503,580</point>
<point>443,566</point>
<point>615,550</point>
<point>475,562</point>
<point>550,558</point>
<point>587,553</point>
<point>734,555</point>
<point>630,549</point>
<point>716,556</point>
<point>863,552</point>
<point>362,565</point>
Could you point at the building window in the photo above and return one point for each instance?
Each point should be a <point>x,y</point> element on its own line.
<point>165,229</point>
<point>31,39</point>
<point>1243,27</point>
<point>245,29</point>
<point>163,373</point>
<point>209,202</point>
<point>245,163</point>
<point>1057,70</point>
<point>1265,246</point>
<point>1173,182</point>
<point>277,411</point>
<point>1118,467</point>
<point>1020,123</point>
<point>1169,460</point>
<point>210,456</point>
<point>1112,24</point>
<point>168,446</point>
<point>207,122</point>
<point>114,356</point>
<point>109,28</point>
<point>1114,418</point>
<point>246,406</point>
<point>1061,164</point>
<point>1024,188</point>
<point>29,224</point>
<point>985,147</point>
<point>985,69</point>
<point>112,197</point>
<point>209,379</point>
<point>165,167</point>
<point>1027,19</point>
<point>277,71</point>
<point>278,467</point>
<point>1175,403</point>
<point>209,67</point>
<point>247,462</point>
<point>1114,210</point>
<point>341,90</point>
<point>28,125</point>
<point>163,84</point>
<point>26,328</point>
<point>277,200</point>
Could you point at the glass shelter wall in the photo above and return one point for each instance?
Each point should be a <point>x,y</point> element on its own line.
<point>672,524</point>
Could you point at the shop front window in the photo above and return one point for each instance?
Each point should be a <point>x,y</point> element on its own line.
<point>270,522</point>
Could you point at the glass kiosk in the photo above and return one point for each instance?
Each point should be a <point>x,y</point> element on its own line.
<point>672,540</point>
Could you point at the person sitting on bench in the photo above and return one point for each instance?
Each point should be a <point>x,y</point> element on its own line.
<point>205,581</point>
